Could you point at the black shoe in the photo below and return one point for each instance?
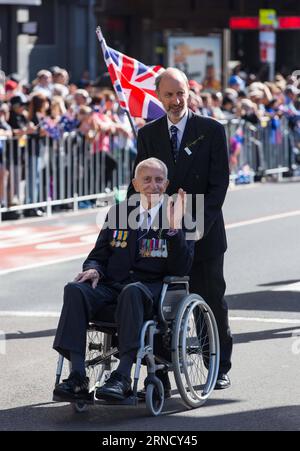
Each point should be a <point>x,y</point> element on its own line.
<point>11,215</point>
<point>33,213</point>
<point>74,388</point>
<point>163,376</point>
<point>223,382</point>
<point>116,387</point>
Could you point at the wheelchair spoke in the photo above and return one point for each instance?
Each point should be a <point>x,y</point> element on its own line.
<point>99,357</point>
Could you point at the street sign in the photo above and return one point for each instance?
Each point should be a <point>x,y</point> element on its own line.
<point>268,18</point>
<point>267,41</point>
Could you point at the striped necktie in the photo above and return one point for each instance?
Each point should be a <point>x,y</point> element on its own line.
<point>174,142</point>
<point>145,222</point>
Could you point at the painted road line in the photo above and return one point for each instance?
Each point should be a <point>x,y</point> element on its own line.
<point>54,236</point>
<point>290,287</point>
<point>56,314</point>
<point>265,320</point>
<point>24,314</point>
<point>262,219</point>
<point>42,264</point>
<point>88,230</point>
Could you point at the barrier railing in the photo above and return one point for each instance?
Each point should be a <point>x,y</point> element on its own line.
<point>43,173</point>
<point>265,148</point>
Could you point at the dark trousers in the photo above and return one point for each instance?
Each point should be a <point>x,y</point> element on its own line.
<point>207,280</point>
<point>128,305</point>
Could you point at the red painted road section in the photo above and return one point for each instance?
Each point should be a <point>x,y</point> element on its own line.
<point>23,245</point>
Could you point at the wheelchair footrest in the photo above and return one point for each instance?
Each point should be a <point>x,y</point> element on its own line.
<point>86,400</point>
<point>129,401</point>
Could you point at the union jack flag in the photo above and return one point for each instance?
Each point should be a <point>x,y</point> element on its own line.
<point>134,83</point>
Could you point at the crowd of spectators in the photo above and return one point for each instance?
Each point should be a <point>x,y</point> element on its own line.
<point>52,105</point>
<point>248,98</point>
<point>272,105</point>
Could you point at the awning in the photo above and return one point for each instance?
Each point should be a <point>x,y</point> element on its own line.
<point>21,2</point>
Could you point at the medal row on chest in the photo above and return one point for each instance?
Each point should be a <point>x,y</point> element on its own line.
<point>153,248</point>
<point>147,248</point>
<point>119,239</point>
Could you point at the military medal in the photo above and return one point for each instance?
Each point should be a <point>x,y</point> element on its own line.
<point>152,247</point>
<point>164,249</point>
<point>158,251</point>
<point>147,251</point>
<point>119,237</point>
<point>124,242</point>
<point>142,248</point>
<point>113,242</point>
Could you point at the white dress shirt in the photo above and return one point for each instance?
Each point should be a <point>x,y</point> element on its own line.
<point>153,212</point>
<point>180,127</point>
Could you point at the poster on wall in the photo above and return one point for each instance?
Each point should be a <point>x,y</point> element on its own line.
<point>199,57</point>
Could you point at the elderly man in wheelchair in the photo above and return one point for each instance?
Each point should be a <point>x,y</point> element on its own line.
<point>126,298</point>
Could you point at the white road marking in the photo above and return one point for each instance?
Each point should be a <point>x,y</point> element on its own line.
<point>289,214</point>
<point>88,239</point>
<point>228,226</point>
<point>265,320</point>
<point>48,236</point>
<point>23,314</point>
<point>291,287</point>
<point>54,314</point>
<point>41,264</point>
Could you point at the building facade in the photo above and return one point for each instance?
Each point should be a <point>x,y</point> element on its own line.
<point>39,34</point>
<point>142,28</point>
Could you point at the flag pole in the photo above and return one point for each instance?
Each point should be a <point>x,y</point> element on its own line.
<point>104,48</point>
<point>131,123</point>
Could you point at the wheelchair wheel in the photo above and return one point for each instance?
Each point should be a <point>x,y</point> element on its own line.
<point>155,397</point>
<point>98,344</point>
<point>195,351</point>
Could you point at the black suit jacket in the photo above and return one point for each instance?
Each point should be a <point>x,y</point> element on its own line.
<point>124,265</point>
<point>204,171</point>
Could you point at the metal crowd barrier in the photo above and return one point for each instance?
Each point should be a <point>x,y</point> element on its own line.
<point>43,172</point>
<point>264,147</point>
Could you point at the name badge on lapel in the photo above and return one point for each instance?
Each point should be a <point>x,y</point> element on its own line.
<point>188,151</point>
<point>189,145</point>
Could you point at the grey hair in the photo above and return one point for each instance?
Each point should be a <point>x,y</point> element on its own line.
<point>161,75</point>
<point>149,163</point>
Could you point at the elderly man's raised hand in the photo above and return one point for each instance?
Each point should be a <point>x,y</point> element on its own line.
<point>176,210</point>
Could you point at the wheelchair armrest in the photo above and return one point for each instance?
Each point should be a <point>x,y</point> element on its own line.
<point>175,279</point>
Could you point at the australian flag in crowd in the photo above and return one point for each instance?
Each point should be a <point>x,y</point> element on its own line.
<point>134,83</point>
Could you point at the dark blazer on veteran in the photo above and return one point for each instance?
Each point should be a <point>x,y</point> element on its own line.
<point>128,262</point>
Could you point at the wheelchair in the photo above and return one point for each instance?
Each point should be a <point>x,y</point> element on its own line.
<point>186,327</point>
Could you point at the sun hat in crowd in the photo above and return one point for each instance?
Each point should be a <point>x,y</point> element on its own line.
<point>11,85</point>
<point>17,101</point>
